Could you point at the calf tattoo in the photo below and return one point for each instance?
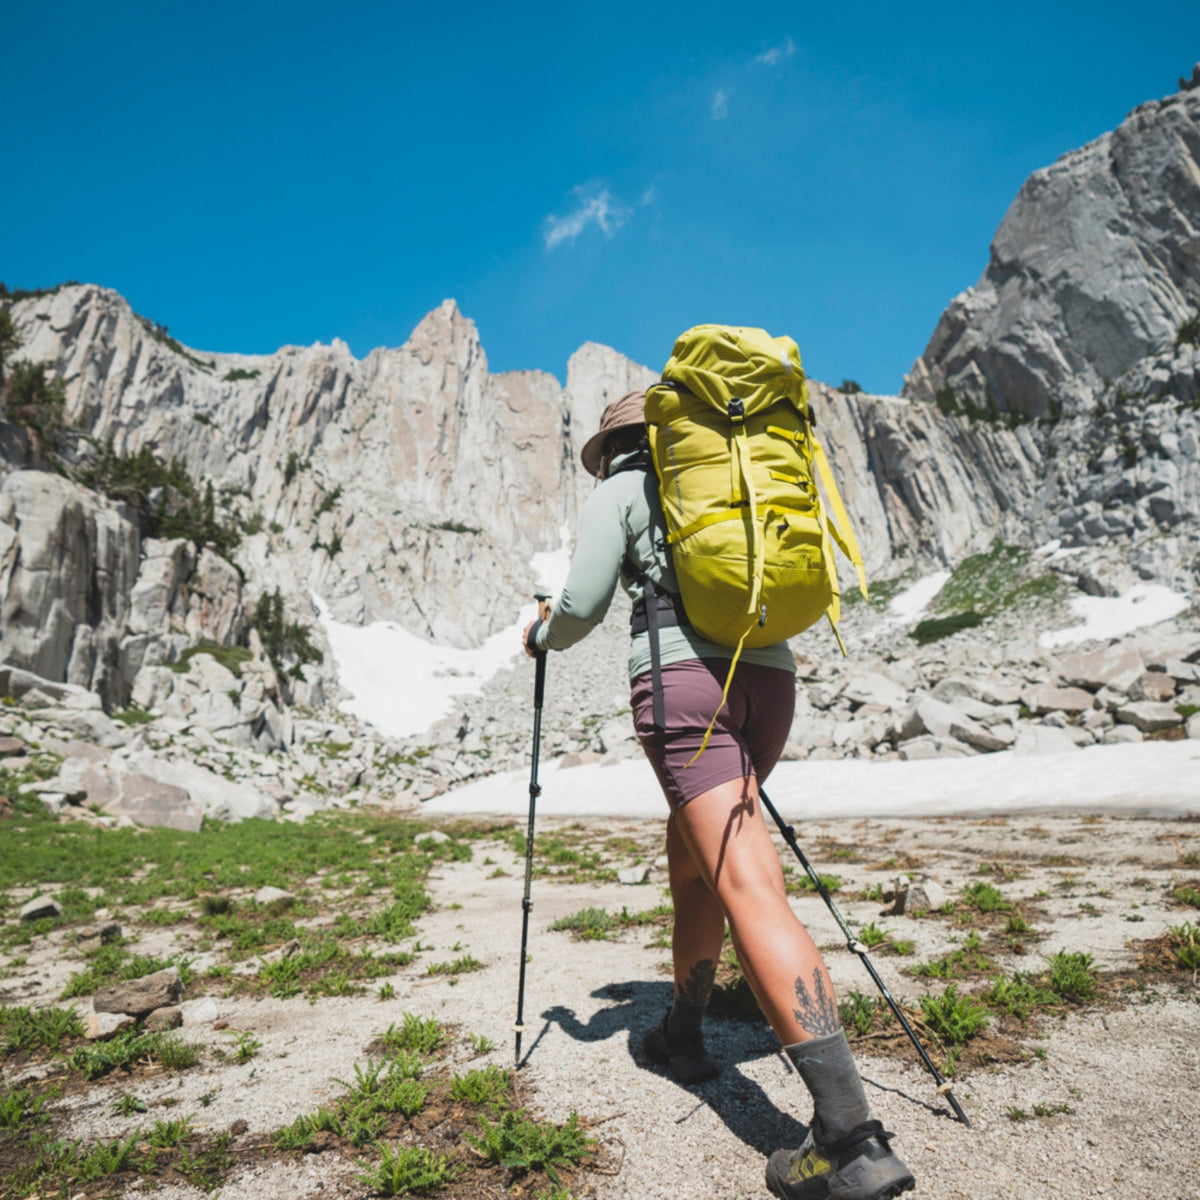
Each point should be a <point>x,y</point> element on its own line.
<point>698,986</point>
<point>817,1012</point>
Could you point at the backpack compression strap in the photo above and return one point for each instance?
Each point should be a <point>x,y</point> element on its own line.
<point>831,531</point>
<point>741,459</point>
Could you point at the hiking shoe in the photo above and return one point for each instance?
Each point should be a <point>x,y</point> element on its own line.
<point>859,1166</point>
<point>686,1055</point>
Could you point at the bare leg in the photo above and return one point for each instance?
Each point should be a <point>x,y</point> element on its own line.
<point>699,923</point>
<point>724,832</point>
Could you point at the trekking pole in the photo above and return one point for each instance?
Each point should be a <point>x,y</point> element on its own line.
<point>539,692</point>
<point>856,947</point>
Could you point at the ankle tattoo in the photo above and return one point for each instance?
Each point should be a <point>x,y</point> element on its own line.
<point>817,1013</point>
<point>697,988</point>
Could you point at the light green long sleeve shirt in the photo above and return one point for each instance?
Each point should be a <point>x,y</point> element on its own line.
<point>622,526</point>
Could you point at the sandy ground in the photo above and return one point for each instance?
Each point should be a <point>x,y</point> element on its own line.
<point>1119,1081</point>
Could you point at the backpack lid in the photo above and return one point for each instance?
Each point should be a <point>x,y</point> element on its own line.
<point>717,363</point>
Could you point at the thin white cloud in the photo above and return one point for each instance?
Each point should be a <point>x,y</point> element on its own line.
<point>720,104</point>
<point>649,195</point>
<point>597,206</point>
<point>776,54</point>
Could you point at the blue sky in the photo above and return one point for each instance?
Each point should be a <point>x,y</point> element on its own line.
<point>260,174</point>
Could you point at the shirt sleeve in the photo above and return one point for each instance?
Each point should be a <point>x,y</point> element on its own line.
<point>595,569</point>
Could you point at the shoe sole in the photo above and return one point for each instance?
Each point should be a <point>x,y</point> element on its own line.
<point>888,1193</point>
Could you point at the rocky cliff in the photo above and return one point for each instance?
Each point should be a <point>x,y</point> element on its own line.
<point>1095,266</point>
<point>414,485</point>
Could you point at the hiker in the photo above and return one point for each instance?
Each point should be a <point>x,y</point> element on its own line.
<point>721,860</point>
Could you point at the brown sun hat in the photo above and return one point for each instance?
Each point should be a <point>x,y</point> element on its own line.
<point>625,413</point>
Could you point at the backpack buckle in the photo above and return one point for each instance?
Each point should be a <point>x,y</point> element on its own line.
<point>737,411</point>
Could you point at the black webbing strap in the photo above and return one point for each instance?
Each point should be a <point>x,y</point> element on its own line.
<point>654,611</point>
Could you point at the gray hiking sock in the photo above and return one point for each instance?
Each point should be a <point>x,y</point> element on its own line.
<point>827,1067</point>
<point>684,1018</point>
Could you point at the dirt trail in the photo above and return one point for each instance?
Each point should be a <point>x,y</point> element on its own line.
<point>1099,1099</point>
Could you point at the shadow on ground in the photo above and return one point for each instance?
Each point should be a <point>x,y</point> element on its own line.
<point>736,1099</point>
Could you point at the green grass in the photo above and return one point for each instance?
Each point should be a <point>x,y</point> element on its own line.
<point>490,1085</point>
<point>133,716</point>
<point>459,966</point>
<point>559,856</point>
<point>875,938</point>
<point>411,1170</point>
<point>981,581</point>
<point>954,1018</point>
<point>1018,996</point>
<point>232,658</point>
<point>802,883</point>
<point>114,964</point>
<point>322,967</point>
<point>106,1158</point>
<point>20,1106</point>
<point>97,1059</point>
<point>168,1133</point>
<point>521,1145</point>
<point>598,924</point>
<point>1072,975</point>
<point>423,1035</point>
<point>137,867</point>
<point>1184,945</point>
<point>858,1012</point>
<point>933,629</point>
<point>25,1028</point>
<point>986,898</point>
<point>967,959</point>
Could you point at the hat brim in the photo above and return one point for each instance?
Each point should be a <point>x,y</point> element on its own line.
<point>592,453</point>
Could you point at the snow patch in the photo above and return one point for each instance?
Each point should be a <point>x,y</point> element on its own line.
<point>550,566</point>
<point>1114,616</point>
<point>402,683</point>
<point>912,601</point>
<point>1156,778</point>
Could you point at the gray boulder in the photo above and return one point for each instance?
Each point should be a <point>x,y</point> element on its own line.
<point>873,688</point>
<point>140,997</point>
<point>1045,700</point>
<point>91,938</point>
<point>1045,739</point>
<point>1122,735</point>
<point>1156,686</point>
<point>122,792</point>
<point>922,895</point>
<point>161,1019</point>
<point>927,746</point>
<point>211,794</point>
<point>39,908</point>
<point>946,721</point>
<point>1149,716</point>
<point>100,1026</point>
<point>1113,667</point>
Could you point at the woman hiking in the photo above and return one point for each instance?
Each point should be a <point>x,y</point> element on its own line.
<point>722,863</point>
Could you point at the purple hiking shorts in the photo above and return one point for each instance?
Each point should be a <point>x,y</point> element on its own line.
<point>747,739</point>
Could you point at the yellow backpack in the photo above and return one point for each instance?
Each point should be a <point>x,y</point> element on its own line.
<point>737,461</point>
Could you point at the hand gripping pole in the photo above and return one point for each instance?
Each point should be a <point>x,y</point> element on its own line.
<point>539,692</point>
<point>856,947</point>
